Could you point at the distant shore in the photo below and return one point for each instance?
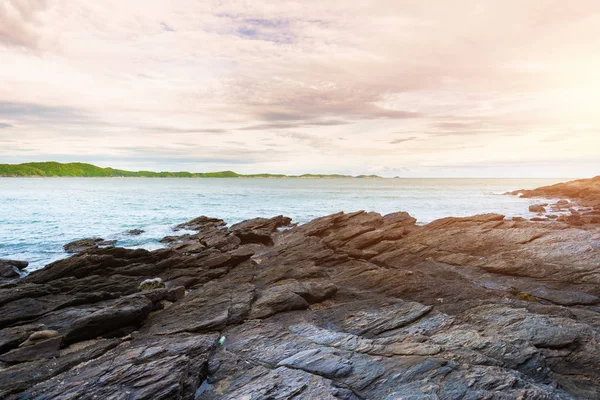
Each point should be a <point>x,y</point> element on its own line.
<point>82,170</point>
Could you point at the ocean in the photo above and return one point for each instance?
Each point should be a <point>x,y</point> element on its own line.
<point>39,215</point>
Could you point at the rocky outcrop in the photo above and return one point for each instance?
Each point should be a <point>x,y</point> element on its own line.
<point>11,269</point>
<point>583,208</point>
<point>86,244</point>
<point>582,189</point>
<point>348,306</point>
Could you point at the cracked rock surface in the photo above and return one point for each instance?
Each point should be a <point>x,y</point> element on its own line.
<point>348,306</point>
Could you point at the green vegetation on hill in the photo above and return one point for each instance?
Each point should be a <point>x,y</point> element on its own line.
<point>49,169</point>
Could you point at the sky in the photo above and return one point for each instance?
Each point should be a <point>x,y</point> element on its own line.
<point>414,88</point>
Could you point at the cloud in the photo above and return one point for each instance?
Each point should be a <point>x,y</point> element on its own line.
<point>79,75</point>
<point>5,125</point>
<point>166,27</point>
<point>172,129</point>
<point>41,112</point>
<point>291,125</point>
<point>398,141</point>
<point>19,26</point>
<point>311,140</point>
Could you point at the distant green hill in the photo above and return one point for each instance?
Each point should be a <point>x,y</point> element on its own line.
<point>49,169</point>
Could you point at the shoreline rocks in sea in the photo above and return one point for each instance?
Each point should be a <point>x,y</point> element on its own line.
<point>11,269</point>
<point>578,204</point>
<point>348,306</point>
<point>86,244</point>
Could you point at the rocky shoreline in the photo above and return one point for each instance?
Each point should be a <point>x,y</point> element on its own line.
<point>582,208</point>
<point>348,306</point>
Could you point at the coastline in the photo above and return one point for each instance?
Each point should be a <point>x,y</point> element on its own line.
<point>355,306</point>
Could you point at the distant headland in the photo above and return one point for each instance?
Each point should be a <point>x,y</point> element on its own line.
<point>76,169</point>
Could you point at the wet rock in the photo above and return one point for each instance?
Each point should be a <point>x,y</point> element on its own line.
<point>20,265</point>
<point>78,246</point>
<point>135,232</point>
<point>8,272</point>
<point>537,208</point>
<point>201,223</point>
<point>10,269</point>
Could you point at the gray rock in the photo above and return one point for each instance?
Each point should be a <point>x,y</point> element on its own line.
<point>348,306</point>
<point>78,246</point>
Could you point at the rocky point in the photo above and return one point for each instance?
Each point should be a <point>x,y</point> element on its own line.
<point>348,306</point>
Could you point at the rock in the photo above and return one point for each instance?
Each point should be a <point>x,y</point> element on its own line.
<point>8,272</point>
<point>565,298</point>
<point>319,362</point>
<point>135,232</point>
<point>10,269</point>
<point>11,338</point>
<point>537,208</point>
<point>201,223</point>
<point>177,293</point>
<point>573,219</point>
<point>151,284</point>
<point>38,336</point>
<point>78,246</point>
<point>584,194</point>
<point>277,300</point>
<point>46,348</point>
<point>348,306</point>
<point>521,295</point>
<point>20,265</point>
<point>259,230</point>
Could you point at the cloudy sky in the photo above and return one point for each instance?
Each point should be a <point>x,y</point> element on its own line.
<point>398,87</point>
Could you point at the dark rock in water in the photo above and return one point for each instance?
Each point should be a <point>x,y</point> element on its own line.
<point>8,272</point>
<point>87,244</point>
<point>135,232</point>
<point>10,269</point>
<point>584,194</point>
<point>537,208</point>
<point>201,223</point>
<point>348,306</point>
<point>20,265</point>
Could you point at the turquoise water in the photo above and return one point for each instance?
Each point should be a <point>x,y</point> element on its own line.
<point>39,215</point>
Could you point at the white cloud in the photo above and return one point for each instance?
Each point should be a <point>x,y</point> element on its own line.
<point>472,83</point>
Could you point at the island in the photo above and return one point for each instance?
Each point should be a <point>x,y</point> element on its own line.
<point>353,305</point>
<point>76,169</point>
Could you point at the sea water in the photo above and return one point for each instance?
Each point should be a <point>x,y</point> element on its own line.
<point>39,215</point>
